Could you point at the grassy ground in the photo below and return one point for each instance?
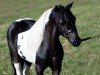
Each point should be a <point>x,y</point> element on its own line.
<point>84,60</point>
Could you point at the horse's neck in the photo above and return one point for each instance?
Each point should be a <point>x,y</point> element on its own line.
<point>37,30</point>
<point>36,33</point>
<point>42,20</point>
<point>52,32</point>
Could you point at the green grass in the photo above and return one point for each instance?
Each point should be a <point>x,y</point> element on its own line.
<point>83,60</point>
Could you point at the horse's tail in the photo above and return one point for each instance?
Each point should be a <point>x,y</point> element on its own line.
<point>10,36</point>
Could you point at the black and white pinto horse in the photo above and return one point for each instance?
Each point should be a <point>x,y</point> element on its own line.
<point>38,42</point>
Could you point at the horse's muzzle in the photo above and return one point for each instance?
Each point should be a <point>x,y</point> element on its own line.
<point>75,41</point>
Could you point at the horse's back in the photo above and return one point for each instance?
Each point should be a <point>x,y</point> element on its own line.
<point>21,25</point>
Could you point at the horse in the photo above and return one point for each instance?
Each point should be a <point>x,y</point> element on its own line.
<point>37,42</point>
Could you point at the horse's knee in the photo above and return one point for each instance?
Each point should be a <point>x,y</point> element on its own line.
<point>39,69</point>
<point>56,66</point>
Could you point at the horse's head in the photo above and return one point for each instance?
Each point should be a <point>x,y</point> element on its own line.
<point>65,22</point>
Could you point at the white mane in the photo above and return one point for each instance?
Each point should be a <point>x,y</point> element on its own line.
<point>30,41</point>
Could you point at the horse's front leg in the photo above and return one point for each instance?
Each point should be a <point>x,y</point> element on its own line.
<point>39,70</point>
<point>40,67</point>
<point>56,72</point>
<point>40,64</point>
<point>56,66</point>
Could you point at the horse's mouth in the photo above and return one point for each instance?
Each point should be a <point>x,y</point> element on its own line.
<point>76,44</point>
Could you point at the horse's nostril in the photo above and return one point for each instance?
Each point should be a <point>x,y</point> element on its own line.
<point>72,39</point>
<point>75,41</point>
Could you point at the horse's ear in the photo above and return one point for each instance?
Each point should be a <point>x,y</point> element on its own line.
<point>58,8</point>
<point>69,6</point>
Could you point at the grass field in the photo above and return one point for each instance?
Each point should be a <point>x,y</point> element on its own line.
<point>83,60</point>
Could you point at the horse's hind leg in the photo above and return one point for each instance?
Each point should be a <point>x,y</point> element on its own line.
<point>13,69</point>
<point>16,65</point>
<point>17,68</point>
<point>21,67</point>
<point>26,67</point>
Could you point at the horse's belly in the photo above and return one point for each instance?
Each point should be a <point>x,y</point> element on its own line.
<point>28,56</point>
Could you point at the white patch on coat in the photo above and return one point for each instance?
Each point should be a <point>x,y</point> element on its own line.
<point>29,41</point>
<point>17,68</point>
<point>18,20</point>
